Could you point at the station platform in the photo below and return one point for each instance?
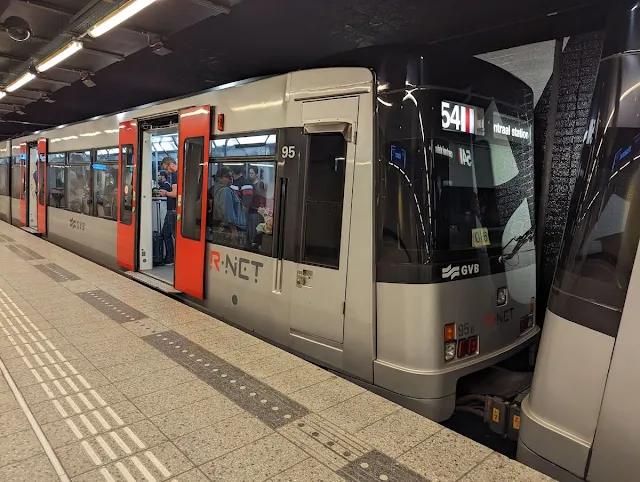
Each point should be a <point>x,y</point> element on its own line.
<point>108,380</point>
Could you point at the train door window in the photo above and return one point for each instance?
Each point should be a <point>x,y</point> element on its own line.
<point>15,177</point>
<point>105,183</point>
<point>56,176</point>
<point>192,188</point>
<point>41,178</point>
<point>324,195</point>
<point>126,188</point>
<point>79,182</point>
<point>4,176</point>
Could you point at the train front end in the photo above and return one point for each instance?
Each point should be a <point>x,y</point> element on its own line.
<point>455,258</point>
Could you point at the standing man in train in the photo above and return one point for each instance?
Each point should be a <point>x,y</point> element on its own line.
<point>170,165</point>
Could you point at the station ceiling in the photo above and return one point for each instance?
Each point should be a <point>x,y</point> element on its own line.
<point>211,42</point>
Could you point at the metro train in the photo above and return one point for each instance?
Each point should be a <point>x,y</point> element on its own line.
<point>580,420</point>
<point>393,237</point>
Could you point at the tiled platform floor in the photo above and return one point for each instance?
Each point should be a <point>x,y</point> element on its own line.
<point>128,385</point>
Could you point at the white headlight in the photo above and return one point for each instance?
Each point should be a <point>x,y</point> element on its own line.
<point>449,351</point>
<point>502,296</point>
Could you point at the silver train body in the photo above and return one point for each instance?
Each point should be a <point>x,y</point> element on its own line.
<point>384,331</point>
<point>580,421</point>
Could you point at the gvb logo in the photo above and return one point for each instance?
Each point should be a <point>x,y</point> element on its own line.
<point>452,272</point>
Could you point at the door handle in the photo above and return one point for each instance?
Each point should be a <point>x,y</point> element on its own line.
<point>304,278</point>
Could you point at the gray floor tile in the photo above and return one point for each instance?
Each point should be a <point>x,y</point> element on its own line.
<point>298,378</point>
<point>35,469</point>
<point>326,393</point>
<point>195,416</point>
<point>194,475</point>
<point>221,438</point>
<point>309,470</point>
<point>350,416</point>
<point>173,397</point>
<point>19,446</point>
<point>498,468</point>
<point>7,401</point>
<point>399,432</point>
<point>153,382</point>
<point>256,461</point>
<point>124,371</point>
<point>12,422</point>
<point>444,457</point>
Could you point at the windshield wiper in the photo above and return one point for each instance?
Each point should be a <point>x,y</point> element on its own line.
<point>520,242</point>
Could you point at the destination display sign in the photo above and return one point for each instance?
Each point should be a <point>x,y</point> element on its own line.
<point>510,128</point>
<point>458,117</point>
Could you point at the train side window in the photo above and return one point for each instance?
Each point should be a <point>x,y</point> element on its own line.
<point>56,176</point>
<point>126,187</point>
<point>4,176</point>
<point>192,188</point>
<point>15,177</point>
<point>324,195</point>
<point>105,183</point>
<point>241,206</point>
<point>79,183</point>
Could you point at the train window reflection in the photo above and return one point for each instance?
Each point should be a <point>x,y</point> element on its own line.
<point>15,177</point>
<point>4,176</point>
<point>251,145</point>
<point>126,191</point>
<point>78,182</point>
<point>601,242</point>
<point>241,204</point>
<point>56,176</point>
<point>323,199</point>
<point>192,188</point>
<point>105,183</point>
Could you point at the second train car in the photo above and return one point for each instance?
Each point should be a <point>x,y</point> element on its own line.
<point>385,223</point>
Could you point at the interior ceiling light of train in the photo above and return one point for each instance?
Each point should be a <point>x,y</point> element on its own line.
<point>48,45</point>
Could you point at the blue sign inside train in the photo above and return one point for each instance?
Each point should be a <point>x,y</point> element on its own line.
<point>398,156</point>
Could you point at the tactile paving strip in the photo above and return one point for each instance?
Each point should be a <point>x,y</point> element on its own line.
<point>30,252</point>
<point>4,237</point>
<point>110,306</point>
<point>22,254</point>
<point>57,273</point>
<point>378,466</point>
<point>267,404</point>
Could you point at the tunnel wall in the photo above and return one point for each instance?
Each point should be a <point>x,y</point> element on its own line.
<point>578,71</point>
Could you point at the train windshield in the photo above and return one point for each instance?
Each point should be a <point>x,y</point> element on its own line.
<point>457,177</point>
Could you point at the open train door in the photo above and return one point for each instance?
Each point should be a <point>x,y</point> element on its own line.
<point>193,173</point>
<point>24,183</point>
<point>42,186</point>
<point>127,162</point>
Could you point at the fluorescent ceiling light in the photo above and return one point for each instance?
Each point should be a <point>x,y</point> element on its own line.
<point>2,94</point>
<point>61,55</point>
<point>20,82</point>
<point>128,10</point>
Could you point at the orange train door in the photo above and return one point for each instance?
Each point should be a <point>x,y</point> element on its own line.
<point>42,186</point>
<point>24,183</point>
<point>127,178</point>
<point>193,169</point>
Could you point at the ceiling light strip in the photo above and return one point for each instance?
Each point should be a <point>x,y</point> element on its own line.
<point>123,13</point>
<point>60,56</point>
<point>21,81</point>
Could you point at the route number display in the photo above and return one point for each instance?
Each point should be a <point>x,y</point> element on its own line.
<point>480,237</point>
<point>462,118</point>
